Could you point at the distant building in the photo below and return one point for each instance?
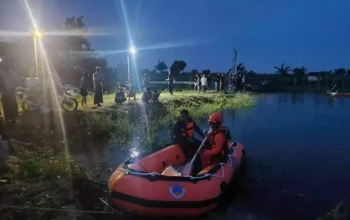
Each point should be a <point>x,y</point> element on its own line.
<point>312,78</point>
<point>317,74</point>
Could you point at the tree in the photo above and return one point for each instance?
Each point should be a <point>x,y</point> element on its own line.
<point>161,66</point>
<point>206,72</point>
<point>77,26</point>
<point>298,73</point>
<point>282,70</point>
<point>73,54</point>
<point>341,73</point>
<point>194,72</point>
<point>241,69</point>
<point>146,71</point>
<point>251,73</point>
<point>177,67</point>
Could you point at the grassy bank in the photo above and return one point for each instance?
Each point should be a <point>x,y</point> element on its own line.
<point>136,120</point>
<point>123,124</point>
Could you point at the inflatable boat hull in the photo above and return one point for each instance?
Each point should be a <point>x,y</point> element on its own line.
<point>138,185</point>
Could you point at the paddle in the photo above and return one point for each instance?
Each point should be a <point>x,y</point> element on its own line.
<point>188,168</point>
<point>333,88</point>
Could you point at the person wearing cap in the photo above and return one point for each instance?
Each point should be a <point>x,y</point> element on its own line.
<point>216,149</point>
<point>183,134</point>
<point>97,78</point>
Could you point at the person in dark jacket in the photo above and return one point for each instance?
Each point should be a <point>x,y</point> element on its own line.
<point>155,94</point>
<point>84,87</point>
<point>217,82</point>
<point>2,128</point>
<point>120,96</point>
<point>147,95</point>
<point>222,83</point>
<point>8,83</point>
<point>97,79</point>
<point>209,79</point>
<point>183,132</point>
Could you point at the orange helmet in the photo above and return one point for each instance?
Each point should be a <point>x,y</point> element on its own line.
<point>216,118</point>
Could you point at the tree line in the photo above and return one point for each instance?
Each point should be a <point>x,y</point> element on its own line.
<point>283,75</point>
<point>72,55</point>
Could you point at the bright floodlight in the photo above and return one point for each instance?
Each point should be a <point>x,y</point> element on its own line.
<point>132,50</point>
<point>0,60</point>
<point>38,33</point>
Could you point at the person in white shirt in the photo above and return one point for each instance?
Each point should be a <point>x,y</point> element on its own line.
<point>204,83</point>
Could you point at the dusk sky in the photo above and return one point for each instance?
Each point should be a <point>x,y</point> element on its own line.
<point>266,33</point>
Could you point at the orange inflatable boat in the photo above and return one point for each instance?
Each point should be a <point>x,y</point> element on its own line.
<point>152,185</point>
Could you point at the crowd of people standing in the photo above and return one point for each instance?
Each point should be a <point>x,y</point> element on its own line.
<point>218,82</point>
<point>204,82</point>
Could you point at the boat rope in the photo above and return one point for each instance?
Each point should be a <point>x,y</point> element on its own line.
<point>192,177</point>
<point>138,173</point>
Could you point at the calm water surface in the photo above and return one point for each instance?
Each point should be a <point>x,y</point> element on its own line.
<point>298,154</point>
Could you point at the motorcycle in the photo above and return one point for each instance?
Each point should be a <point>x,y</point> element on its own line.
<point>33,101</point>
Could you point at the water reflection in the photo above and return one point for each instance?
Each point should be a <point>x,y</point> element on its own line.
<point>283,97</point>
<point>317,101</point>
<point>330,101</point>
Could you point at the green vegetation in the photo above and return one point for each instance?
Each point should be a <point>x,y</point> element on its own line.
<point>115,126</point>
<point>120,124</point>
<point>44,163</point>
<point>200,106</point>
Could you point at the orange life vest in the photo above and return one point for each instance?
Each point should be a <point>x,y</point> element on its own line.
<point>224,149</point>
<point>189,130</point>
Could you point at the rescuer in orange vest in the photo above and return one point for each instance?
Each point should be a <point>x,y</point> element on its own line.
<point>183,132</point>
<point>216,149</point>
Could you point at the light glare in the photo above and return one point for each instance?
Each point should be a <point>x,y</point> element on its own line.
<point>38,33</point>
<point>132,50</point>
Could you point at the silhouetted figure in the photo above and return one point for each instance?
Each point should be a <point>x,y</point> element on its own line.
<point>84,87</point>
<point>8,85</point>
<point>171,81</point>
<point>217,82</point>
<point>98,80</point>
<point>204,83</point>
<point>196,85</point>
<point>222,83</point>
<point>155,94</point>
<point>2,127</point>
<point>183,134</point>
<point>209,82</point>
<point>147,95</point>
<point>145,80</point>
<point>120,96</point>
<point>243,83</point>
